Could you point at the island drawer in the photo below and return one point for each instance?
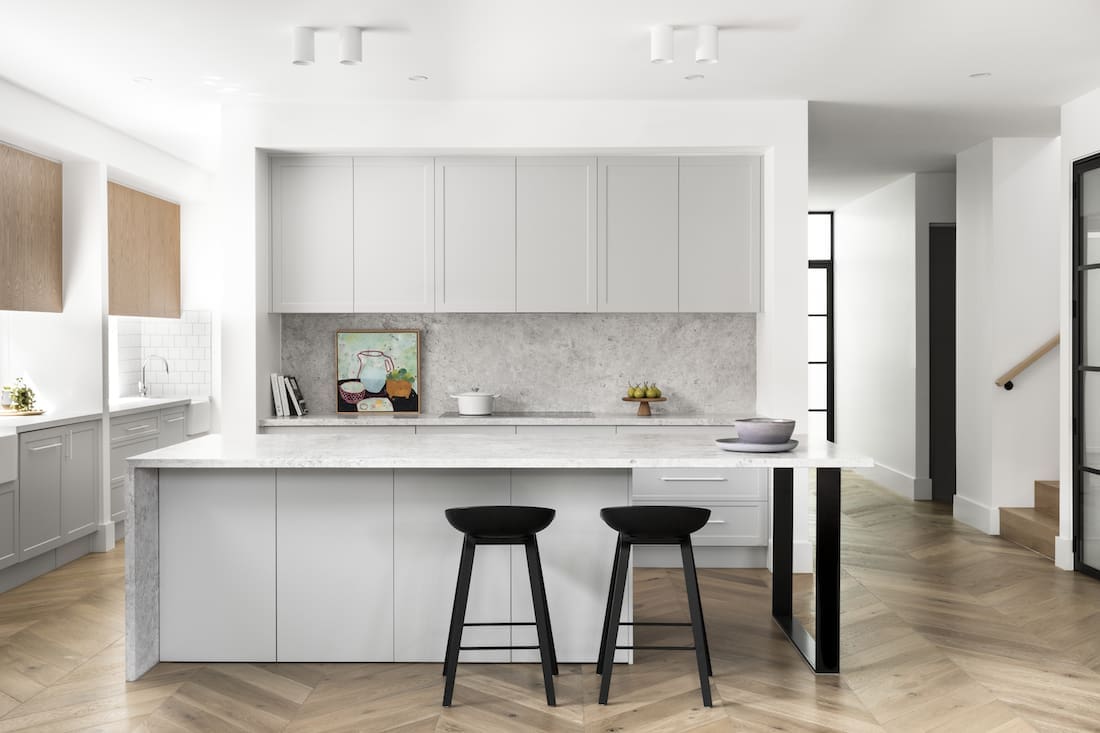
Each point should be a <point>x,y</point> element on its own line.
<point>134,426</point>
<point>732,525</point>
<point>701,484</point>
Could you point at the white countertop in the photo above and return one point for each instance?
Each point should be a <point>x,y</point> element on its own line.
<point>51,419</point>
<point>130,405</point>
<point>464,451</point>
<point>626,417</point>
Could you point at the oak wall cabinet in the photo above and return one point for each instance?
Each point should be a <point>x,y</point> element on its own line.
<point>30,232</point>
<point>143,235</point>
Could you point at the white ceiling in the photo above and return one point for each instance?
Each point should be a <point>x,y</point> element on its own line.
<point>888,79</point>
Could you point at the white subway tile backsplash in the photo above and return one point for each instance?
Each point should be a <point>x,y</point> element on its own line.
<point>184,342</point>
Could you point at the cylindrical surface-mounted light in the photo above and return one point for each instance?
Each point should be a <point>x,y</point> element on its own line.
<point>706,47</point>
<point>302,53</point>
<point>351,45</point>
<point>660,44</point>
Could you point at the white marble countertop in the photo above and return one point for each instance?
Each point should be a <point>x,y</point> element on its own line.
<point>464,451</point>
<point>51,419</point>
<point>627,417</point>
<point>131,405</point>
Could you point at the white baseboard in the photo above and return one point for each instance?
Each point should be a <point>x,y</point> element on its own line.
<point>979,516</point>
<point>802,557</point>
<point>1063,552</point>
<point>900,483</point>
<point>104,538</point>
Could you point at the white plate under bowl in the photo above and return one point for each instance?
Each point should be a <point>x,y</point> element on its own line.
<point>737,446</point>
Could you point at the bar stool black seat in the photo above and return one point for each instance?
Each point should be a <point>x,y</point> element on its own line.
<point>500,525</point>
<point>653,525</point>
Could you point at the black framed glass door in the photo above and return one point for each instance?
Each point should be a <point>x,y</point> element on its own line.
<point>1086,365</point>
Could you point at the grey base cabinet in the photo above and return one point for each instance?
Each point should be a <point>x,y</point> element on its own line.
<point>139,433</point>
<point>58,486</point>
<point>9,512</point>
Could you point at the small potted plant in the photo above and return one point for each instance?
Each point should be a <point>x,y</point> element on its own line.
<point>22,397</point>
<point>399,383</point>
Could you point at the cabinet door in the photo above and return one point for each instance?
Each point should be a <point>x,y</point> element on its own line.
<point>119,474</point>
<point>394,235</point>
<point>80,481</point>
<point>143,253</point>
<point>312,260</point>
<point>9,549</point>
<point>41,453</point>
<point>30,232</point>
<point>172,424</point>
<point>638,234</point>
<point>720,234</point>
<point>335,565</point>
<point>217,565</point>
<point>556,234</point>
<point>475,234</point>
<point>427,550</point>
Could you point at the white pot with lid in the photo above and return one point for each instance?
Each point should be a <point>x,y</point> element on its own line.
<point>475,402</point>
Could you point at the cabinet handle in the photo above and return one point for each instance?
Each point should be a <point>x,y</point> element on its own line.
<point>137,427</point>
<point>45,447</point>
<point>175,419</point>
<point>693,478</point>
<point>716,521</point>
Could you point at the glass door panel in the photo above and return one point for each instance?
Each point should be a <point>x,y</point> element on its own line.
<point>1086,358</point>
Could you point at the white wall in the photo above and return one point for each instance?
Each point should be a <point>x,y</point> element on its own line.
<point>1008,295</point>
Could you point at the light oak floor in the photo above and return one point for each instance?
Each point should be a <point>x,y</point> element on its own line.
<point>944,629</point>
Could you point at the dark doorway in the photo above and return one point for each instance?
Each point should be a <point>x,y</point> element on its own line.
<point>941,356</point>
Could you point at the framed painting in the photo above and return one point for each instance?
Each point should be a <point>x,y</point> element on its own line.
<point>378,371</point>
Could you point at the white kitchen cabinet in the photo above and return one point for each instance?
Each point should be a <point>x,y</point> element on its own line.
<point>556,234</point>
<point>576,550</point>
<point>335,566</point>
<point>719,226</point>
<point>217,565</point>
<point>58,486</point>
<point>427,551</point>
<point>394,235</point>
<point>312,251</point>
<point>9,515</point>
<point>119,453</point>
<point>475,234</point>
<point>638,232</point>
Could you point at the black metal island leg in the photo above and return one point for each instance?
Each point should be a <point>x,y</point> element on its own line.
<point>821,650</point>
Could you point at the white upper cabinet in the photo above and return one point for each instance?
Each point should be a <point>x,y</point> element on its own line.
<point>719,263</point>
<point>311,235</point>
<point>638,213</point>
<point>394,235</point>
<point>556,234</point>
<point>475,234</point>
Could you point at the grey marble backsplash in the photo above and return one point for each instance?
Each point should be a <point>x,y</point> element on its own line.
<point>549,361</point>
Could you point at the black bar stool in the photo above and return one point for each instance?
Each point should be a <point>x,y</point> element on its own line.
<point>653,525</point>
<point>500,525</point>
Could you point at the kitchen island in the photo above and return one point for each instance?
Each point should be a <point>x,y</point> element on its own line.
<point>319,548</point>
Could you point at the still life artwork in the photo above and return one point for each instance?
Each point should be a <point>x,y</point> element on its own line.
<point>378,371</point>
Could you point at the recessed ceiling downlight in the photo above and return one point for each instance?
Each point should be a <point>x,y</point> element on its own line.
<point>981,75</point>
<point>694,77</point>
<point>418,77</point>
<point>141,80</point>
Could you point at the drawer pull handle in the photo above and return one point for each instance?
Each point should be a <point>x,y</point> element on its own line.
<point>137,427</point>
<point>45,447</point>
<point>693,478</point>
<point>716,521</point>
<point>174,419</point>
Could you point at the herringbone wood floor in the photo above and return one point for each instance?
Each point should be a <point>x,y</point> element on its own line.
<point>944,629</point>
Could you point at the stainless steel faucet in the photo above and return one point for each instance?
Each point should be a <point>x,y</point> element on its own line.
<point>143,386</point>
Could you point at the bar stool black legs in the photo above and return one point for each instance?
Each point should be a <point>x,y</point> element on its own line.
<point>653,526</point>
<point>500,526</point>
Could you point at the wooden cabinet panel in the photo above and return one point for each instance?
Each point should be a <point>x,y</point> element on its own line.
<point>394,235</point>
<point>30,232</point>
<point>143,234</point>
<point>556,234</point>
<point>638,234</point>
<point>719,254</point>
<point>475,241</point>
<point>312,247</point>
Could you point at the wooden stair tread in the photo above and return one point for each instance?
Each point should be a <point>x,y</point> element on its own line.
<point>1046,498</point>
<point>1029,527</point>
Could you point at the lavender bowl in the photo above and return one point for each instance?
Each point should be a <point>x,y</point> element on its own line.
<point>764,430</point>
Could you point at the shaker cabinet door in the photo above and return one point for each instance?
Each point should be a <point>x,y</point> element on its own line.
<point>312,260</point>
<point>80,481</point>
<point>41,454</point>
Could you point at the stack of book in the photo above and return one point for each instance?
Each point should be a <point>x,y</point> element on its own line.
<point>287,396</point>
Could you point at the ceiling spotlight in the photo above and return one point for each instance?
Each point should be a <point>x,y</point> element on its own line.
<point>418,77</point>
<point>981,75</point>
<point>694,77</point>
<point>706,46</point>
<point>660,44</point>
<point>141,80</point>
<point>302,47</point>
<point>351,45</point>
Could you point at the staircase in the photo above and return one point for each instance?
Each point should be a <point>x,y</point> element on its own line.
<point>1034,527</point>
